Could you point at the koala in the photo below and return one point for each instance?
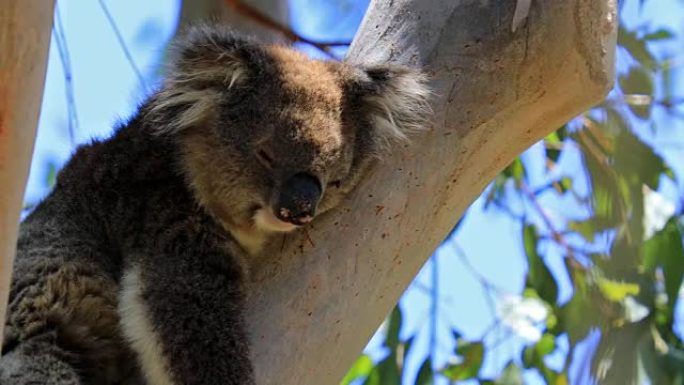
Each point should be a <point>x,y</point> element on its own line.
<point>131,271</point>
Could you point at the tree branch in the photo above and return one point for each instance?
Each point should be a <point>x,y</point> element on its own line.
<point>265,21</point>
<point>312,309</point>
<point>24,37</point>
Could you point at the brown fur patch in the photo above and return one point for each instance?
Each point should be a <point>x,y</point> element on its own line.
<point>81,306</point>
<point>316,91</point>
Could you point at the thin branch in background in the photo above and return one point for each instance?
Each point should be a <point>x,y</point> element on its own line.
<point>490,288</point>
<point>65,59</point>
<point>122,44</point>
<point>491,328</point>
<point>434,308</point>
<point>556,235</point>
<point>427,291</point>
<point>576,249</point>
<point>507,209</point>
<point>461,254</point>
<point>267,22</point>
<point>507,335</point>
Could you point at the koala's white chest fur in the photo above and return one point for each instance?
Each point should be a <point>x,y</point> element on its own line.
<point>139,331</point>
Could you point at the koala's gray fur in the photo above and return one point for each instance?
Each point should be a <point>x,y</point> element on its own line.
<point>130,271</point>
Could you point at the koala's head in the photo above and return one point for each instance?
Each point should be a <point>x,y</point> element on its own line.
<point>271,138</point>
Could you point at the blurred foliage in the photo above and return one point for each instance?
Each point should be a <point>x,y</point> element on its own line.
<point>625,263</point>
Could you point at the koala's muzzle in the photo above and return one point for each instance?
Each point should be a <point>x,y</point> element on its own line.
<point>298,199</point>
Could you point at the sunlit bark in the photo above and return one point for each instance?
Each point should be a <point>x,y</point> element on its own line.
<point>25,27</point>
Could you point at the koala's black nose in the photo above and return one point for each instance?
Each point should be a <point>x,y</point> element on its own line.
<point>298,199</point>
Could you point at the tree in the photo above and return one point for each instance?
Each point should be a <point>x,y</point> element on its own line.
<point>500,85</point>
<point>601,232</point>
<point>24,36</point>
<point>497,92</point>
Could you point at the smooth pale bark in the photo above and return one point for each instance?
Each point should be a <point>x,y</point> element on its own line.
<point>316,299</point>
<point>25,27</point>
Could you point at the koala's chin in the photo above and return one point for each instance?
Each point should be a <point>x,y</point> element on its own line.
<point>266,221</point>
<point>263,224</point>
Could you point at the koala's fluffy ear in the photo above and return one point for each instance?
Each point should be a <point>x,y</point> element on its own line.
<point>397,99</point>
<point>205,62</point>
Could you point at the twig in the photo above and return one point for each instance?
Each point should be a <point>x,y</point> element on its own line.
<point>122,44</point>
<point>556,235</point>
<point>484,282</point>
<point>507,209</point>
<point>265,21</point>
<point>65,59</point>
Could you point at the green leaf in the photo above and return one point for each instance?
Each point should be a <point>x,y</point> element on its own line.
<point>665,250</point>
<point>661,34</point>
<point>392,340</point>
<point>638,162</point>
<point>515,171</point>
<point>386,372</point>
<point>578,315</point>
<point>373,378</point>
<point>636,47</point>
<point>652,360</point>
<point>425,374</point>
<point>553,138</point>
<point>638,81</point>
<point>533,356</point>
<point>407,348</point>
<point>539,276</point>
<point>616,355</point>
<point>608,202</point>
<point>674,361</point>
<point>553,146</point>
<point>585,228</point>
<point>617,291</point>
<point>561,379</point>
<point>51,177</point>
<point>566,184</point>
<point>667,83</point>
<point>28,206</point>
<point>361,368</point>
<point>472,354</point>
<point>562,133</point>
<point>511,375</point>
<point>553,154</point>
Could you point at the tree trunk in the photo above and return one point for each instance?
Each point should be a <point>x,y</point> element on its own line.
<point>25,27</point>
<point>316,298</point>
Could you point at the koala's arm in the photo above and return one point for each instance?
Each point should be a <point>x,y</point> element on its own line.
<point>182,312</point>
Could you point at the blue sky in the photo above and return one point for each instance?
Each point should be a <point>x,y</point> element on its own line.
<point>106,90</point>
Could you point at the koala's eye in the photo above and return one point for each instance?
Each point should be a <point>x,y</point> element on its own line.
<point>335,183</point>
<point>265,158</point>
